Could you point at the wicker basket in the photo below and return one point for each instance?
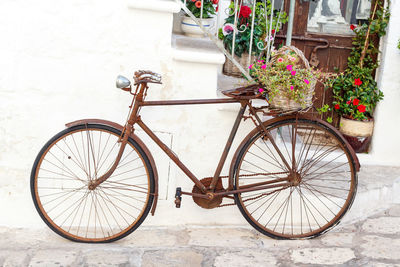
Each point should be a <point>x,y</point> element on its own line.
<point>230,69</point>
<point>282,102</point>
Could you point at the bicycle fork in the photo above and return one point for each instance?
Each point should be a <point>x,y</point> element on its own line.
<point>128,130</point>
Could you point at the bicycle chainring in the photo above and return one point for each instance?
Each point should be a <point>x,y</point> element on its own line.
<point>208,203</point>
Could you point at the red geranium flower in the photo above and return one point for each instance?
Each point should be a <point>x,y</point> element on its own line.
<point>245,12</point>
<point>355,101</point>
<point>348,102</point>
<point>272,31</point>
<point>357,82</point>
<point>337,106</point>
<point>361,108</point>
<point>215,2</point>
<point>352,27</point>
<point>198,4</point>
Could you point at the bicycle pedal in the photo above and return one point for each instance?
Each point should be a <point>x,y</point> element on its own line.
<point>178,198</point>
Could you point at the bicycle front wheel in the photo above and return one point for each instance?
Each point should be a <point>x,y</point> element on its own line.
<point>310,195</point>
<point>61,175</point>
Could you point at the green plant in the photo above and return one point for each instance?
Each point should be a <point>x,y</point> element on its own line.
<point>244,21</point>
<point>398,45</point>
<point>285,76</point>
<point>355,91</point>
<point>208,7</point>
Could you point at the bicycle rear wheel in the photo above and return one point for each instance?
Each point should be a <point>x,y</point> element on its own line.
<point>320,191</point>
<point>61,174</point>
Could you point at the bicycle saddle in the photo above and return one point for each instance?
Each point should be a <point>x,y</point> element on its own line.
<point>146,76</point>
<point>246,92</point>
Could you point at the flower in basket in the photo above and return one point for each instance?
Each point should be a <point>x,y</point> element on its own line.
<point>286,78</point>
<point>209,7</point>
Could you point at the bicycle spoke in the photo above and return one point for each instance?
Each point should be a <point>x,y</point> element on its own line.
<point>73,154</point>
<point>79,202</point>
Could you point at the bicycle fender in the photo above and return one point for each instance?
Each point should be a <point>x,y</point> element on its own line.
<point>271,121</point>
<point>134,137</point>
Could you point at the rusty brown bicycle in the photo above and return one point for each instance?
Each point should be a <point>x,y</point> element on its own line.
<point>292,177</point>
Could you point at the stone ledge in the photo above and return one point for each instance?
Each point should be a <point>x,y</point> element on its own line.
<point>198,50</point>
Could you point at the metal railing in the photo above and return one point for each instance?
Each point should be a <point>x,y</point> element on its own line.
<point>248,29</point>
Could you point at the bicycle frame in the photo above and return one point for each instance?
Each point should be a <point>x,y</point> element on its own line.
<point>207,193</point>
<point>134,118</point>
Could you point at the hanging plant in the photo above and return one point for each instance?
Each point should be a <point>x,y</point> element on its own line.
<point>240,35</point>
<point>355,91</point>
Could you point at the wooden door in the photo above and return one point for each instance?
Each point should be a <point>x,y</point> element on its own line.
<point>322,31</point>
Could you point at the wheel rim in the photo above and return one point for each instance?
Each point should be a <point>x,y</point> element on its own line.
<point>61,186</point>
<point>314,202</point>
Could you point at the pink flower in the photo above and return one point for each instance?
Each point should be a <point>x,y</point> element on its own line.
<point>293,72</point>
<point>280,59</point>
<point>292,59</point>
<point>260,61</point>
<point>291,87</point>
<point>228,29</point>
<point>260,90</point>
<point>306,81</point>
<point>264,67</point>
<point>289,67</point>
<point>251,66</point>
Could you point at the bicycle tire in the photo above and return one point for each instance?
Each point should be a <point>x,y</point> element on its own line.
<point>60,177</point>
<point>322,199</point>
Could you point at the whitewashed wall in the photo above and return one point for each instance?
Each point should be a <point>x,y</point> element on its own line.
<point>58,63</point>
<point>386,139</point>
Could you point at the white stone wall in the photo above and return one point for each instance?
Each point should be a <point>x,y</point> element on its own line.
<point>386,138</point>
<point>59,60</point>
<point>58,63</point>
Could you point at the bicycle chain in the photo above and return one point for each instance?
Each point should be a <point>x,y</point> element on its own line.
<point>251,175</point>
<point>253,198</point>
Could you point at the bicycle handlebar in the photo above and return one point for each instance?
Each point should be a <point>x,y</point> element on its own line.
<point>146,76</point>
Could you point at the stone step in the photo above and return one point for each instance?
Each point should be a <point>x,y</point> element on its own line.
<point>378,188</point>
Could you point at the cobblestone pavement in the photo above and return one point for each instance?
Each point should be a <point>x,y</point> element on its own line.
<point>372,242</point>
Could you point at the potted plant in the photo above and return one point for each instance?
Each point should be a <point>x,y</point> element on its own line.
<point>189,26</point>
<point>288,81</point>
<point>355,91</point>
<point>239,37</point>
